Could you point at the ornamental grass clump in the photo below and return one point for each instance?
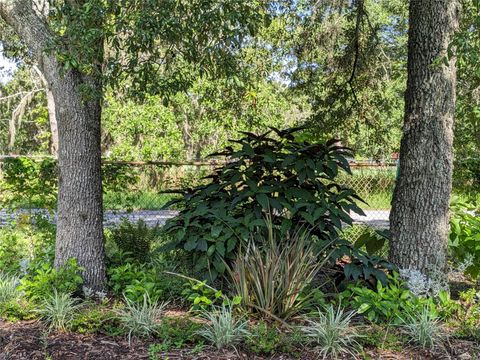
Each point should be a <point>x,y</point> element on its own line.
<point>9,288</point>
<point>140,319</point>
<point>270,279</point>
<point>423,328</point>
<point>221,327</point>
<point>58,310</point>
<point>332,334</point>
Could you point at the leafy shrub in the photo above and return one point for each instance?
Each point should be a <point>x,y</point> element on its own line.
<point>26,244</point>
<point>221,328</point>
<point>140,319</point>
<point>46,279</point>
<point>201,295</point>
<point>271,278</point>
<point>468,315</point>
<point>464,241</point>
<point>466,176</point>
<point>373,240</point>
<point>58,310</point>
<point>332,333</point>
<point>423,328</point>
<point>28,183</point>
<point>10,251</point>
<point>117,177</point>
<point>92,319</point>
<point>385,303</point>
<point>358,265</point>
<point>293,179</point>
<point>135,280</point>
<point>178,332</point>
<point>134,240</point>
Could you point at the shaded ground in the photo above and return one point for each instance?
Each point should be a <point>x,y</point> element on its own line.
<point>29,340</point>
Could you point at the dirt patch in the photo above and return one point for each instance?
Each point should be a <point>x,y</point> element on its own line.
<point>29,340</point>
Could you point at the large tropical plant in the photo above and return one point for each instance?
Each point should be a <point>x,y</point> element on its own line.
<point>275,172</point>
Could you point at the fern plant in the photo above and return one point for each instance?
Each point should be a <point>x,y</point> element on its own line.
<point>134,240</point>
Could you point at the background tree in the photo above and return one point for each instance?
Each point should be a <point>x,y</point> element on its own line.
<point>80,211</point>
<point>419,220</point>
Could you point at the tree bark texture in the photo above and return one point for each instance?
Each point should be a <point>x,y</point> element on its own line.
<point>80,213</point>
<point>419,220</point>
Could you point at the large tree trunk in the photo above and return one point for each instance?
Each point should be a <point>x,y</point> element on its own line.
<point>79,224</point>
<point>419,219</point>
<point>80,213</point>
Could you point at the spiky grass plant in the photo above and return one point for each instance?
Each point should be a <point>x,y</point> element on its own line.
<point>140,319</point>
<point>58,310</point>
<point>423,328</point>
<point>271,278</point>
<point>221,327</point>
<point>332,333</point>
<point>8,288</point>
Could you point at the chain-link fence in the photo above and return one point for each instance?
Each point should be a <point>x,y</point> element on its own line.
<point>151,185</point>
<point>140,190</point>
<point>374,183</point>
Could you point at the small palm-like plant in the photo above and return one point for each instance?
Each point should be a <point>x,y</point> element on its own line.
<point>221,328</point>
<point>58,310</point>
<point>423,328</point>
<point>332,333</point>
<point>140,319</point>
<point>8,288</point>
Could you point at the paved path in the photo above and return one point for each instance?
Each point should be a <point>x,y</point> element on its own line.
<point>374,218</point>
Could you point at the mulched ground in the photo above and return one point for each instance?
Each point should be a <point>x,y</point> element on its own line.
<point>29,340</point>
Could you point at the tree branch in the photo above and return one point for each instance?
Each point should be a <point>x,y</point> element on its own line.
<point>21,93</point>
<point>27,23</point>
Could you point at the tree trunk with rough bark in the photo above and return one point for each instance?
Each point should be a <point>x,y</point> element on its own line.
<point>419,219</point>
<point>80,212</point>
